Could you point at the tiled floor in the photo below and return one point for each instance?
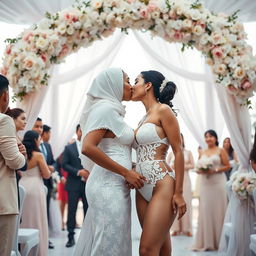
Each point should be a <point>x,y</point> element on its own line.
<point>180,245</point>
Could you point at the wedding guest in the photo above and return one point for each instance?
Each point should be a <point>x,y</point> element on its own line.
<point>11,158</point>
<point>231,154</point>
<point>184,225</point>
<point>253,154</point>
<point>75,184</point>
<point>34,214</point>
<point>19,117</point>
<point>46,150</point>
<point>213,198</point>
<point>62,193</point>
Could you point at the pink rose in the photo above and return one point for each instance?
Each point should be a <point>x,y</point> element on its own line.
<point>67,16</point>
<point>144,13</point>
<point>232,88</point>
<point>178,35</point>
<point>217,52</point>
<point>27,36</point>
<point>201,24</point>
<point>64,51</point>
<point>152,7</point>
<point>43,57</point>
<point>8,49</point>
<point>246,85</point>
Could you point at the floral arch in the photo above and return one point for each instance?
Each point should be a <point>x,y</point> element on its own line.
<point>220,38</point>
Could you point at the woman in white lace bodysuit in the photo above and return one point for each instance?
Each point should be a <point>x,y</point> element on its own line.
<point>161,196</point>
<point>107,142</point>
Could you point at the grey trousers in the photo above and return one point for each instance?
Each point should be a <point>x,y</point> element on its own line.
<point>7,232</point>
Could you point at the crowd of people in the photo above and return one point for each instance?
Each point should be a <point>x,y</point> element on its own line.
<point>29,162</point>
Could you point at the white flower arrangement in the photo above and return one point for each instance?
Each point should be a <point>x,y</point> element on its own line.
<point>243,184</point>
<point>204,164</point>
<point>219,37</point>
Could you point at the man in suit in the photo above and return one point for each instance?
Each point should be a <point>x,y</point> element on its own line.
<point>45,148</point>
<point>12,157</point>
<point>75,184</point>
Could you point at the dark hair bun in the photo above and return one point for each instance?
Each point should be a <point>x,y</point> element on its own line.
<point>167,93</point>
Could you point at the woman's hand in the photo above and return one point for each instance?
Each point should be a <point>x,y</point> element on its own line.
<point>135,179</point>
<point>179,205</point>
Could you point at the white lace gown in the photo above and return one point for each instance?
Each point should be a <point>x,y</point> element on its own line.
<point>106,229</point>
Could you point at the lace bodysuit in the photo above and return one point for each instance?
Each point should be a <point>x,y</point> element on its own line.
<point>148,164</point>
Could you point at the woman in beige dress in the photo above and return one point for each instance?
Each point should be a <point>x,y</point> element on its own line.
<point>34,214</point>
<point>184,225</point>
<point>213,198</point>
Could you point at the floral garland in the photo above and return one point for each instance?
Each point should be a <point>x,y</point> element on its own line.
<point>243,184</point>
<point>219,37</point>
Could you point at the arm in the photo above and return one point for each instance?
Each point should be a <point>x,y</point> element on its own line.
<point>90,149</point>
<point>172,130</point>
<point>8,145</point>
<point>224,161</point>
<point>66,163</point>
<point>191,163</point>
<point>45,172</point>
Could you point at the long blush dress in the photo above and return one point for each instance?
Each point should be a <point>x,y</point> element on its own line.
<point>34,214</point>
<point>212,208</point>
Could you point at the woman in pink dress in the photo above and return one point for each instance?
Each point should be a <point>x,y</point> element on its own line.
<point>184,225</point>
<point>213,198</point>
<point>34,214</point>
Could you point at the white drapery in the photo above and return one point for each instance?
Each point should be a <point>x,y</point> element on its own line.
<point>64,101</point>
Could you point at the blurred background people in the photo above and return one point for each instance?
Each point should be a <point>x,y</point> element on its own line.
<point>233,160</point>
<point>253,154</point>
<point>184,225</point>
<point>75,184</point>
<point>213,198</point>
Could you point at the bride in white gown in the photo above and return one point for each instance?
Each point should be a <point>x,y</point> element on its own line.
<point>107,142</point>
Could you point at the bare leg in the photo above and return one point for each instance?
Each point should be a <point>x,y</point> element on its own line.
<point>166,248</point>
<point>62,210</point>
<point>158,219</point>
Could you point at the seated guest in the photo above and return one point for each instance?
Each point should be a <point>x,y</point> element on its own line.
<point>253,154</point>
<point>34,213</point>
<point>231,155</point>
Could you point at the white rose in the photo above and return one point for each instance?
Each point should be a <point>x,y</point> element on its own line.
<point>44,24</point>
<point>239,73</point>
<point>197,30</point>
<point>96,4</point>
<point>204,39</point>
<point>70,30</point>
<point>42,43</point>
<point>82,18</point>
<point>250,189</point>
<point>177,24</point>
<point>155,15</point>
<point>62,28</point>
<point>179,10</point>
<point>195,15</point>
<point>77,25</point>
<point>187,23</point>
<point>220,68</point>
<point>29,62</point>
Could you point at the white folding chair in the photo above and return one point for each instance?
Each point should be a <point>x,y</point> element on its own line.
<point>15,250</point>
<point>28,236</point>
<point>253,236</point>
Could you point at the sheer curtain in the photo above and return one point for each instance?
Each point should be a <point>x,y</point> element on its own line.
<point>192,87</point>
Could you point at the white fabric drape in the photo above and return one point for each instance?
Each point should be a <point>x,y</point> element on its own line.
<point>65,100</point>
<point>191,86</point>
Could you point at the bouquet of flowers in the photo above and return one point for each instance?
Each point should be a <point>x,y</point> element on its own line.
<point>243,184</point>
<point>204,164</point>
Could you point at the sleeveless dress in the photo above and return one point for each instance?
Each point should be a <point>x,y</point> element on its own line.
<point>146,143</point>
<point>34,213</point>
<point>212,208</point>
<point>186,220</point>
<point>106,229</point>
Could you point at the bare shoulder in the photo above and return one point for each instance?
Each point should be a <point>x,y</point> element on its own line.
<point>38,155</point>
<point>165,111</point>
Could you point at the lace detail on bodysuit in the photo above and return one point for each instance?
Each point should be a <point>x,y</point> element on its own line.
<point>147,143</point>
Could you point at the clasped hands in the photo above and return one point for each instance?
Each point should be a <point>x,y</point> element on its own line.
<point>134,180</point>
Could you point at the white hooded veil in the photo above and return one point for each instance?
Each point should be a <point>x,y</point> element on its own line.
<point>103,108</point>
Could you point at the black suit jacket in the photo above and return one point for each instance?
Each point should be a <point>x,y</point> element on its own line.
<point>50,161</point>
<point>71,163</point>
